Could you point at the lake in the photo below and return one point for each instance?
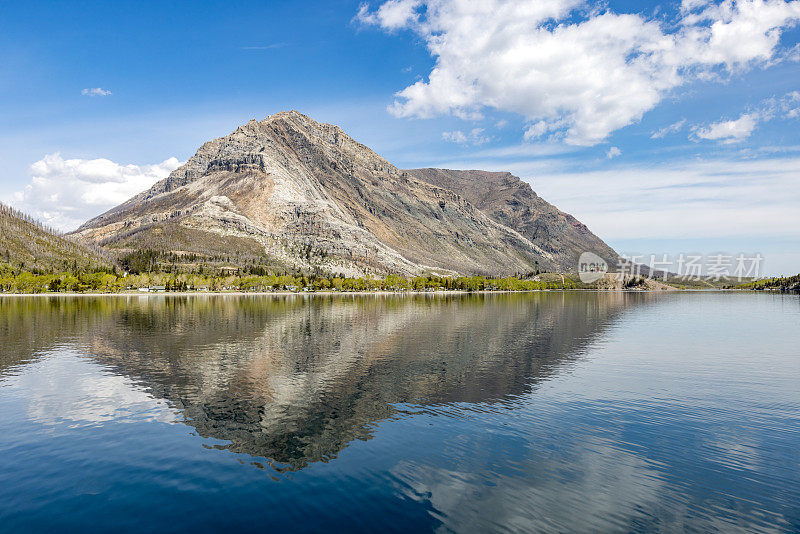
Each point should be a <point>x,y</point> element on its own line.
<point>562,411</point>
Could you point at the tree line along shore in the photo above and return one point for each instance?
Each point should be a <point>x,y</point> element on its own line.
<point>149,272</point>
<point>111,281</point>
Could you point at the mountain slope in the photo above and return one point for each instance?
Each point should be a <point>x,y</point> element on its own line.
<point>27,244</point>
<point>310,197</point>
<point>511,202</point>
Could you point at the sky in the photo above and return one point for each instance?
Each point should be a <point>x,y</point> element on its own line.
<point>667,127</point>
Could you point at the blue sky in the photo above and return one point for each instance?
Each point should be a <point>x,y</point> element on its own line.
<point>667,127</point>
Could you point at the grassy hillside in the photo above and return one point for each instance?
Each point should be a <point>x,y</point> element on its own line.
<point>29,245</point>
<point>173,248</point>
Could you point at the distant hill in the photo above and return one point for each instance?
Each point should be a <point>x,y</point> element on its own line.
<point>296,193</point>
<point>783,283</point>
<point>26,243</point>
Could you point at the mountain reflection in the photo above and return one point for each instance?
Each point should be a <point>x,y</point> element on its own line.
<point>295,379</point>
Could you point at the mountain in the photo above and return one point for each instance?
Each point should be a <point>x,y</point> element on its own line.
<point>26,243</point>
<point>304,195</point>
<point>511,202</point>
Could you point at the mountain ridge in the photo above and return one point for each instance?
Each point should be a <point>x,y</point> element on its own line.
<point>314,198</point>
<point>512,202</point>
<point>27,244</point>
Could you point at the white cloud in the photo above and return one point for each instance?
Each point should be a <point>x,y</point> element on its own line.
<point>391,15</point>
<point>474,137</point>
<point>673,128</point>
<point>690,5</point>
<point>271,46</point>
<point>793,54</point>
<point>613,152</point>
<point>790,105</point>
<point>455,137</point>
<point>537,130</point>
<point>64,193</point>
<point>570,65</point>
<point>95,91</point>
<point>732,131</point>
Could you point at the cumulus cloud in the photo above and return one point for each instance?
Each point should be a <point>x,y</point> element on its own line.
<point>95,91</point>
<point>391,15</point>
<point>474,137</point>
<point>673,128</point>
<point>64,193</point>
<point>571,67</point>
<point>732,131</point>
<point>613,152</point>
<point>542,129</point>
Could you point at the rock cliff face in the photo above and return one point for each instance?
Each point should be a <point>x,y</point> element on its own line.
<point>511,202</point>
<point>310,197</point>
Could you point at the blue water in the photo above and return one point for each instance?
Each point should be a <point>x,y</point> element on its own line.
<point>587,412</point>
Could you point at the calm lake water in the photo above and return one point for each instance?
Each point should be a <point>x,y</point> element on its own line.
<point>525,412</point>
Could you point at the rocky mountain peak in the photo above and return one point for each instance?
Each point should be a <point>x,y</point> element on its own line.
<point>311,197</point>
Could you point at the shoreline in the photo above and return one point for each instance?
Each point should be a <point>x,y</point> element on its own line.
<point>269,293</point>
<point>358,293</point>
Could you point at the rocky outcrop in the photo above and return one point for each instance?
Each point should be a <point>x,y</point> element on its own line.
<point>314,198</point>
